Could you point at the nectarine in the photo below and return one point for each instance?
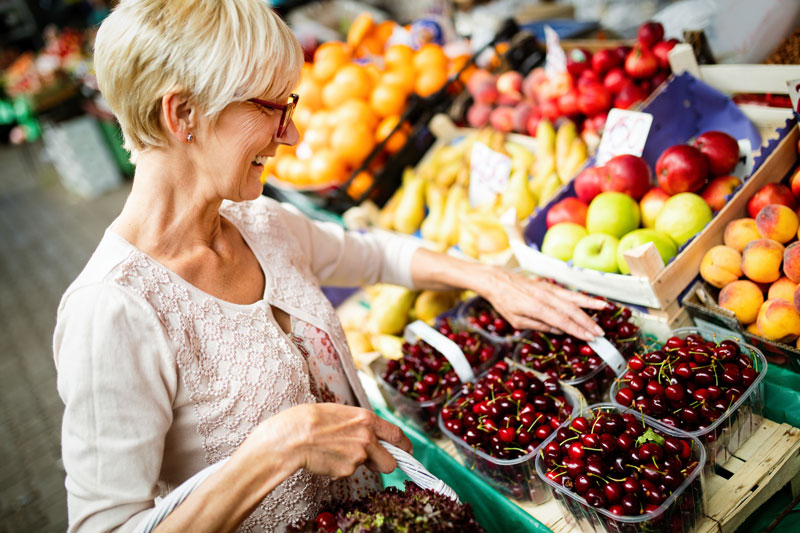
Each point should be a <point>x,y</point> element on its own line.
<point>777,222</point>
<point>743,298</point>
<point>761,260</point>
<point>721,265</point>
<point>739,232</point>
<point>778,319</point>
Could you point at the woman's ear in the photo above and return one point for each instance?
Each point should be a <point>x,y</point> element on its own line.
<point>179,115</point>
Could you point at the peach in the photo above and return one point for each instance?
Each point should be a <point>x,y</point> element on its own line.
<point>761,260</point>
<point>721,265</point>
<point>478,115</point>
<point>739,232</point>
<point>791,262</point>
<point>753,329</point>
<point>783,288</point>
<point>796,300</point>
<point>778,319</point>
<point>485,91</point>
<point>502,119</point>
<point>744,298</point>
<point>509,82</point>
<point>777,222</point>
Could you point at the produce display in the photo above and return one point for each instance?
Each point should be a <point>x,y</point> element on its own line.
<point>705,387</point>
<point>498,423</point>
<point>351,98</point>
<point>616,208</point>
<point>761,257</point>
<point>591,85</point>
<point>412,509</point>
<point>573,361</point>
<point>615,470</point>
<point>418,385</point>
<point>477,313</point>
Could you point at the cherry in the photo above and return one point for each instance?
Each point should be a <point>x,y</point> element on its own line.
<point>674,393</point>
<point>595,497</point>
<point>650,450</point>
<point>631,485</point>
<point>630,505</point>
<point>507,434</point>
<point>326,522</point>
<point>583,483</point>
<point>580,423</point>
<point>654,388</point>
<point>625,396</point>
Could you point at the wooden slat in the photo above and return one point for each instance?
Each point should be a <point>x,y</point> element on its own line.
<point>749,78</point>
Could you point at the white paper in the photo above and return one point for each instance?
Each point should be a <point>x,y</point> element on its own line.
<point>625,133</point>
<point>489,172</point>
<point>446,347</point>
<point>556,59</point>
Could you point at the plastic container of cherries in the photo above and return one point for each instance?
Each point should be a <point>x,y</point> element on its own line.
<point>498,423</point>
<point>418,385</point>
<point>707,386</point>
<point>576,363</point>
<point>616,470</point>
<point>477,314</point>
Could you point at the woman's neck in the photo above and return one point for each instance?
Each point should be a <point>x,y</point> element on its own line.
<point>171,208</point>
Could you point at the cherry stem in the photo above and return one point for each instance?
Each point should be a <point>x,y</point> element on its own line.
<point>599,477</point>
<point>534,423</point>
<point>569,439</point>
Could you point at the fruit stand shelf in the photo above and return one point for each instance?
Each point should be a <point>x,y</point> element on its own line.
<point>763,465</point>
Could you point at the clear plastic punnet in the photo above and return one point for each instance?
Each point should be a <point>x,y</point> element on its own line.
<point>681,511</point>
<point>727,433</point>
<point>516,477</point>
<point>423,414</point>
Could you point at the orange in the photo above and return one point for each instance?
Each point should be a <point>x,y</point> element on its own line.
<point>326,167</point>
<point>360,184</point>
<point>310,94</point>
<point>328,58</point>
<point>430,57</point>
<point>317,135</point>
<point>398,55</point>
<point>356,112</point>
<point>396,141</point>
<point>334,94</point>
<point>352,142</point>
<point>359,29</point>
<point>369,47</point>
<point>388,99</point>
<point>374,73</point>
<point>430,81</point>
<point>302,117</point>
<point>403,75</point>
<point>381,32</point>
<point>297,172</point>
<point>356,79</point>
<point>457,63</point>
<point>282,164</point>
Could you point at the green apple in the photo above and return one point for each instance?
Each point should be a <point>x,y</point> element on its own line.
<point>597,251</point>
<point>613,213</point>
<point>683,216</point>
<point>666,248</point>
<point>560,240</point>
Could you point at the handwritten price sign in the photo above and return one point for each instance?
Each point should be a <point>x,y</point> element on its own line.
<point>555,61</point>
<point>625,133</point>
<point>488,174</point>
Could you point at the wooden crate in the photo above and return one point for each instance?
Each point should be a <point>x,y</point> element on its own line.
<point>762,466</point>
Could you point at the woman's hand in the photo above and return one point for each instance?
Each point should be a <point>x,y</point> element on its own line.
<point>330,439</point>
<point>529,303</point>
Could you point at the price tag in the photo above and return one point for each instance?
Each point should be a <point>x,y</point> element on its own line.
<point>556,60</point>
<point>488,174</point>
<point>449,349</point>
<point>608,353</point>
<point>625,133</point>
<point>794,94</point>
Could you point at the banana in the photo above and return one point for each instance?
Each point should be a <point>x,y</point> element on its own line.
<point>431,226</point>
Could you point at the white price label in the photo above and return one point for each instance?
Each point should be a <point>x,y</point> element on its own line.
<point>625,133</point>
<point>556,60</point>
<point>794,94</point>
<point>488,174</point>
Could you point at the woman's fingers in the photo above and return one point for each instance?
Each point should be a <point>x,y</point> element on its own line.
<point>392,434</point>
<point>582,300</point>
<point>524,322</point>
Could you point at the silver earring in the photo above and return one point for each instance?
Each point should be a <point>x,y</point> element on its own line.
<point>189,138</point>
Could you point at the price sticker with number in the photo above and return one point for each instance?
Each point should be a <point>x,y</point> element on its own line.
<point>625,132</point>
<point>488,174</point>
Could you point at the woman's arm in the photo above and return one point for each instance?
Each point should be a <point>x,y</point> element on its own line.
<point>523,301</point>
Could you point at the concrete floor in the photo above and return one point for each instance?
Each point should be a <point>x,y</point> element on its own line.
<point>46,236</point>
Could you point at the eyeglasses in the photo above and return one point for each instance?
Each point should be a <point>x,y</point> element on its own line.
<point>287,110</point>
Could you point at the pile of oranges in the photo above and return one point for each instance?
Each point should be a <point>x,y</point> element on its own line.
<point>351,98</point>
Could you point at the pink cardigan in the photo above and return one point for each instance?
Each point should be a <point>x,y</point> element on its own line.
<point>160,379</point>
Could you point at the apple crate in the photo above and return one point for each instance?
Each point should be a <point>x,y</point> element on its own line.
<point>682,109</point>
<point>515,478</point>
<point>681,511</point>
<point>727,433</point>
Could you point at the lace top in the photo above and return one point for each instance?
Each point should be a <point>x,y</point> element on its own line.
<point>160,379</point>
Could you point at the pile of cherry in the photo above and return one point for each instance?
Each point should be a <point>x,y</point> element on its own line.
<point>569,359</point>
<point>483,317</point>
<point>423,374</point>
<point>615,461</point>
<point>689,383</point>
<point>507,413</point>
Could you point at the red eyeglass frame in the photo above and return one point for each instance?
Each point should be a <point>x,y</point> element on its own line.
<point>287,110</point>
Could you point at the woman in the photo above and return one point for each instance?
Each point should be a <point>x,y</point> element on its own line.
<point>198,331</point>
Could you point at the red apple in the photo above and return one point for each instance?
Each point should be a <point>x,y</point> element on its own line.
<point>568,103</point>
<point>567,210</point>
<point>629,96</point>
<point>589,183</point>
<point>659,78</point>
<point>627,174</point>
<point>794,183</point>
<point>681,168</point>
<point>522,112</point>
<point>771,193</point>
<point>533,123</point>
<point>661,51</point>
<point>502,118</point>
<point>478,115</point>
<point>587,78</point>
<point>616,79</point>
<point>509,82</point>
<point>650,205</point>
<point>622,53</point>
<point>594,99</point>
<point>508,99</point>
<point>604,60</point>
<point>641,63</point>
<point>717,189</point>
<point>549,108</point>
<point>650,33</point>
<point>721,149</point>
<point>578,60</point>
<point>645,85</point>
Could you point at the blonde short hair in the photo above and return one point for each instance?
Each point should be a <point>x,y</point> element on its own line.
<point>216,51</point>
